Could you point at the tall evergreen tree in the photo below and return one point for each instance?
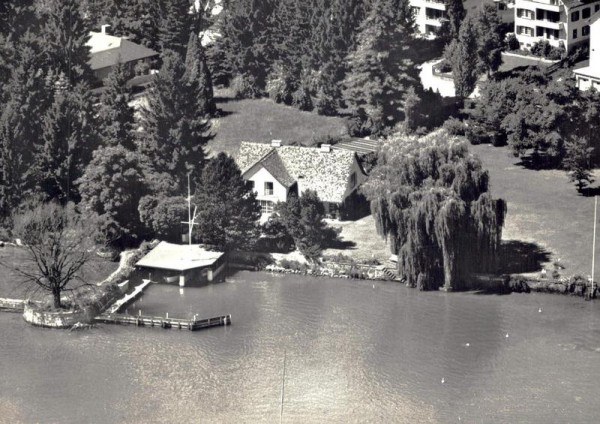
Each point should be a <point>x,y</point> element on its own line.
<point>68,140</point>
<point>456,13</point>
<point>115,116</point>
<point>462,55</point>
<point>379,70</point>
<point>490,43</point>
<point>176,23</point>
<point>175,130</point>
<point>65,33</point>
<point>247,44</point>
<point>198,76</point>
<point>228,210</point>
<point>12,165</point>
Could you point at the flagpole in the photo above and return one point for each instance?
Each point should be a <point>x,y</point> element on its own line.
<point>594,245</point>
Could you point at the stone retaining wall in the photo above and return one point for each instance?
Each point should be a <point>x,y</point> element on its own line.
<point>54,319</point>
<point>337,270</point>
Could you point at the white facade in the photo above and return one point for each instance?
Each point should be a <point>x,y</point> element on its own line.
<point>268,190</point>
<point>429,15</point>
<point>589,76</point>
<point>562,23</point>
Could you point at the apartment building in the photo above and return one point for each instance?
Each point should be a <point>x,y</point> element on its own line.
<point>562,22</point>
<point>589,76</point>
<point>430,14</point>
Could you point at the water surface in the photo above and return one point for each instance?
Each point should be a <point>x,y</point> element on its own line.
<point>354,353</point>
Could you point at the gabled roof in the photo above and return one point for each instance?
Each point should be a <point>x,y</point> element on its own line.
<point>272,162</point>
<point>361,146</point>
<point>108,50</point>
<point>327,173</point>
<point>178,257</point>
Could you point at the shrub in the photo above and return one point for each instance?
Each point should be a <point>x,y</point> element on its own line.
<point>477,135</point>
<point>302,100</point>
<point>455,126</point>
<point>245,87</point>
<point>326,104</point>
<point>293,265</point>
<point>512,43</point>
<point>280,86</point>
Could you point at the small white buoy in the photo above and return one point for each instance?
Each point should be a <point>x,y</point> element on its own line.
<point>443,380</point>
<point>540,310</point>
<point>507,335</point>
<point>373,285</point>
<point>467,344</point>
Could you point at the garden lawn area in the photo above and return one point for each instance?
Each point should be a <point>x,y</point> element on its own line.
<point>263,120</point>
<point>96,270</point>
<point>543,208</point>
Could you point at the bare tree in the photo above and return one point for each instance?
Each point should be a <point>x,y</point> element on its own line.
<point>58,244</point>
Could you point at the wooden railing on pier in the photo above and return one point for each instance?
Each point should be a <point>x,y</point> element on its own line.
<point>164,322</point>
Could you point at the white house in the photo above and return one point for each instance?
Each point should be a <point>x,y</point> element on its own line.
<point>277,171</point>
<point>107,50</point>
<point>562,22</point>
<point>590,75</point>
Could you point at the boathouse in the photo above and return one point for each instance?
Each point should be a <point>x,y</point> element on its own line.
<point>181,264</point>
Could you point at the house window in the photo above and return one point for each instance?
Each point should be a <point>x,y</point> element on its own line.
<point>596,8</point>
<point>353,180</point>
<point>266,206</point>
<point>585,31</point>
<point>523,30</point>
<point>585,13</point>
<point>250,184</point>
<point>574,34</point>
<point>575,17</point>
<point>268,188</point>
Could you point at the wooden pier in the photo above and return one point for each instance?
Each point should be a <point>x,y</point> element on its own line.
<point>164,322</point>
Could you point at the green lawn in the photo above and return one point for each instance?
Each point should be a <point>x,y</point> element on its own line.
<point>11,286</point>
<point>264,120</point>
<point>544,208</point>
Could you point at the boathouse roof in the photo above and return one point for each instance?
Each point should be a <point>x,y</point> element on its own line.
<point>179,257</point>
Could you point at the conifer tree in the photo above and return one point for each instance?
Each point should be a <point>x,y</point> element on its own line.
<point>198,76</point>
<point>462,55</point>
<point>247,44</point>
<point>489,39</point>
<point>176,23</point>
<point>228,210</point>
<point>456,13</point>
<point>175,130</point>
<point>379,70</point>
<point>115,116</point>
<point>68,140</point>
<point>65,34</point>
<point>12,165</point>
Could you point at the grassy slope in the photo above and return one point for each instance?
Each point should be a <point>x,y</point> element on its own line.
<point>543,207</point>
<point>263,120</point>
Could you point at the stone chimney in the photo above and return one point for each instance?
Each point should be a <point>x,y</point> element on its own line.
<point>103,28</point>
<point>275,143</point>
<point>325,148</point>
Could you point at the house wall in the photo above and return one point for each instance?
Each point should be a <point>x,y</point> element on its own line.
<point>595,45</point>
<point>262,176</point>
<point>427,14</point>
<point>550,20</point>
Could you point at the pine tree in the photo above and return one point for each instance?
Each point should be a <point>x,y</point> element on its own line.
<point>65,34</point>
<point>489,39</point>
<point>175,130</point>
<point>228,211</point>
<point>462,55</point>
<point>115,116</point>
<point>247,44</point>
<point>176,23</point>
<point>577,162</point>
<point>68,140</point>
<point>379,70</point>
<point>198,76</point>
<point>456,13</point>
<point>12,165</point>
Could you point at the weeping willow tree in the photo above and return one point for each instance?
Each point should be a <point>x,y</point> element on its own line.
<point>430,198</point>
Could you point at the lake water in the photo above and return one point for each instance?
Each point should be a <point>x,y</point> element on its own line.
<point>354,353</point>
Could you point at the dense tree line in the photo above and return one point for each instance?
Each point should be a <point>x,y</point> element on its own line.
<point>129,171</point>
<point>431,200</point>
<point>537,116</point>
